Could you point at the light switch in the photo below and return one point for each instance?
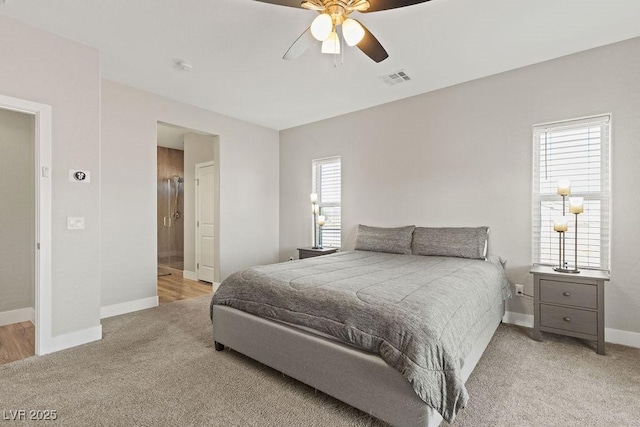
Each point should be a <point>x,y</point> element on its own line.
<point>75,223</point>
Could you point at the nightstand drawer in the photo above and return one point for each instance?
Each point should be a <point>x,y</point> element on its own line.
<point>569,319</point>
<point>567,293</point>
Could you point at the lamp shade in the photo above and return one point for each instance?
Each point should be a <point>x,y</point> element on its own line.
<point>331,44</point>
<point>314,198</point>
<point>560,224</point>
<point>321,27</point>
<point>576,205</point>
<point>564,187</point>
<point>321,220</point>
<point>352,31</point>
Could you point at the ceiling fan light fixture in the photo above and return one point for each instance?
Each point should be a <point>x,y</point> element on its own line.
<point>311,5</point>
<point>321,27</point>
<point>352,32</point>
<point>332,44</point>
<point>360,6</point>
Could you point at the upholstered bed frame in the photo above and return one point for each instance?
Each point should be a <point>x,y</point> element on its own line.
<point>359,378</point>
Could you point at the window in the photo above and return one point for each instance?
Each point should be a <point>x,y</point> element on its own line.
<point>575,150</point>
<point>327,184</point>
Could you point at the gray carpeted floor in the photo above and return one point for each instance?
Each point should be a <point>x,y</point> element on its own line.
<point>158,367</point>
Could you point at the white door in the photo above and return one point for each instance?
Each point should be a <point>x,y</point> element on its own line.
<point>204,221</point>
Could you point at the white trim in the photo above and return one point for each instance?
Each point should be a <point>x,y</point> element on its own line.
<point>72,339</point>
<point>214,286</point>
<point>128,307</point>
<point>191,275</point>
<point>43,173</point>
<point>17,316</point>
<point>618,336</point>
<point>519,319</point>
<point>614,336</point>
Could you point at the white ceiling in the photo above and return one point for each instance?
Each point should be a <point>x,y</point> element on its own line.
<point>236,46</point>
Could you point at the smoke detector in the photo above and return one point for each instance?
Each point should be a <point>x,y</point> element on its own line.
<point>183,65</point>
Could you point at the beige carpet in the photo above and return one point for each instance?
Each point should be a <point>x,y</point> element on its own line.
<point>158,367</point>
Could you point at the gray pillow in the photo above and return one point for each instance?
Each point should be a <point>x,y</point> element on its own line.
<point>377,239</point>
<point>462,242</point>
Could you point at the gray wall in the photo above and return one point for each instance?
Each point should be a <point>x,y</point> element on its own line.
<point>462,156</point>
<point>114,259</point>
<point>197,149</point>
<point>42,67</point>
<point>17,220</point>
<point>248,177</point>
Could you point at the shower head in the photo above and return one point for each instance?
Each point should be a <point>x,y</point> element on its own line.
<point>178,179</point>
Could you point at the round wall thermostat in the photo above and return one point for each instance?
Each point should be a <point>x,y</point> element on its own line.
<point>79,175</point>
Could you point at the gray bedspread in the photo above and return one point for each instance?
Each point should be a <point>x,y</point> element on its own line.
<point>421,314</point>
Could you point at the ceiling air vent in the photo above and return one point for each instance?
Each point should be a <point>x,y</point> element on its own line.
<point>395,78</point>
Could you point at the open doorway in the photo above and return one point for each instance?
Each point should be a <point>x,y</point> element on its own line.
<point>179,151</point>
<point>17,234</point>
<point>25,229</point>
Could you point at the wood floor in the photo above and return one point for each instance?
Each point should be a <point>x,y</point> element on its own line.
<point>175,288</point>
<point>17,341</point>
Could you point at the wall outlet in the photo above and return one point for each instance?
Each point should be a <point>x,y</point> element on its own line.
<point>519,290</point>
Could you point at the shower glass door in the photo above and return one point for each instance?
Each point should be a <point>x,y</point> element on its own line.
<point>170,208</point>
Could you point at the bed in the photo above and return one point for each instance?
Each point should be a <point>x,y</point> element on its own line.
<point>395,335</point>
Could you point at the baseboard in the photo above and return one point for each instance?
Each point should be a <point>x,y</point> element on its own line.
<point>214,286</point>
<point>614,336</point>
<point>17,316</point>
<point>73,339</point>
<point>191,275</point>
<point>519,319</point>
<point>128,307</point>
<point>617,336</point>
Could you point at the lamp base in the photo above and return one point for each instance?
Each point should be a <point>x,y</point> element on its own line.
<point>566,270</point>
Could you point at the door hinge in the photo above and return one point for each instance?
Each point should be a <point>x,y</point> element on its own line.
<point>198,266</point>
<point>38,245</point>
<point>197,223</point>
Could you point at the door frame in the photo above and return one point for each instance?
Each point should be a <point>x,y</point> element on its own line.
<point>197,212</point>
<point>43,194</point>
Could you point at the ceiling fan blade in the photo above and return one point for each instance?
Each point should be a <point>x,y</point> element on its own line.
<point>371,46</point>
<point>290,3</point>
<point>300,46</point>
<point>378,5</point>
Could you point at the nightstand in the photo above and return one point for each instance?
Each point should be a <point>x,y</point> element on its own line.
<point>310,252</point>
<point>569,304</point>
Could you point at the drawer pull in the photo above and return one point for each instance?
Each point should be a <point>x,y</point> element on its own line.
<point>567,319</point>
<point>566,294</point>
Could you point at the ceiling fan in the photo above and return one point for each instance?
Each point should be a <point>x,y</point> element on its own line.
<point>334,14</point>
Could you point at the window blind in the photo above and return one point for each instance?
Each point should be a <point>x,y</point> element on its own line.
<point>327,183</point>
<point>578,151</point>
